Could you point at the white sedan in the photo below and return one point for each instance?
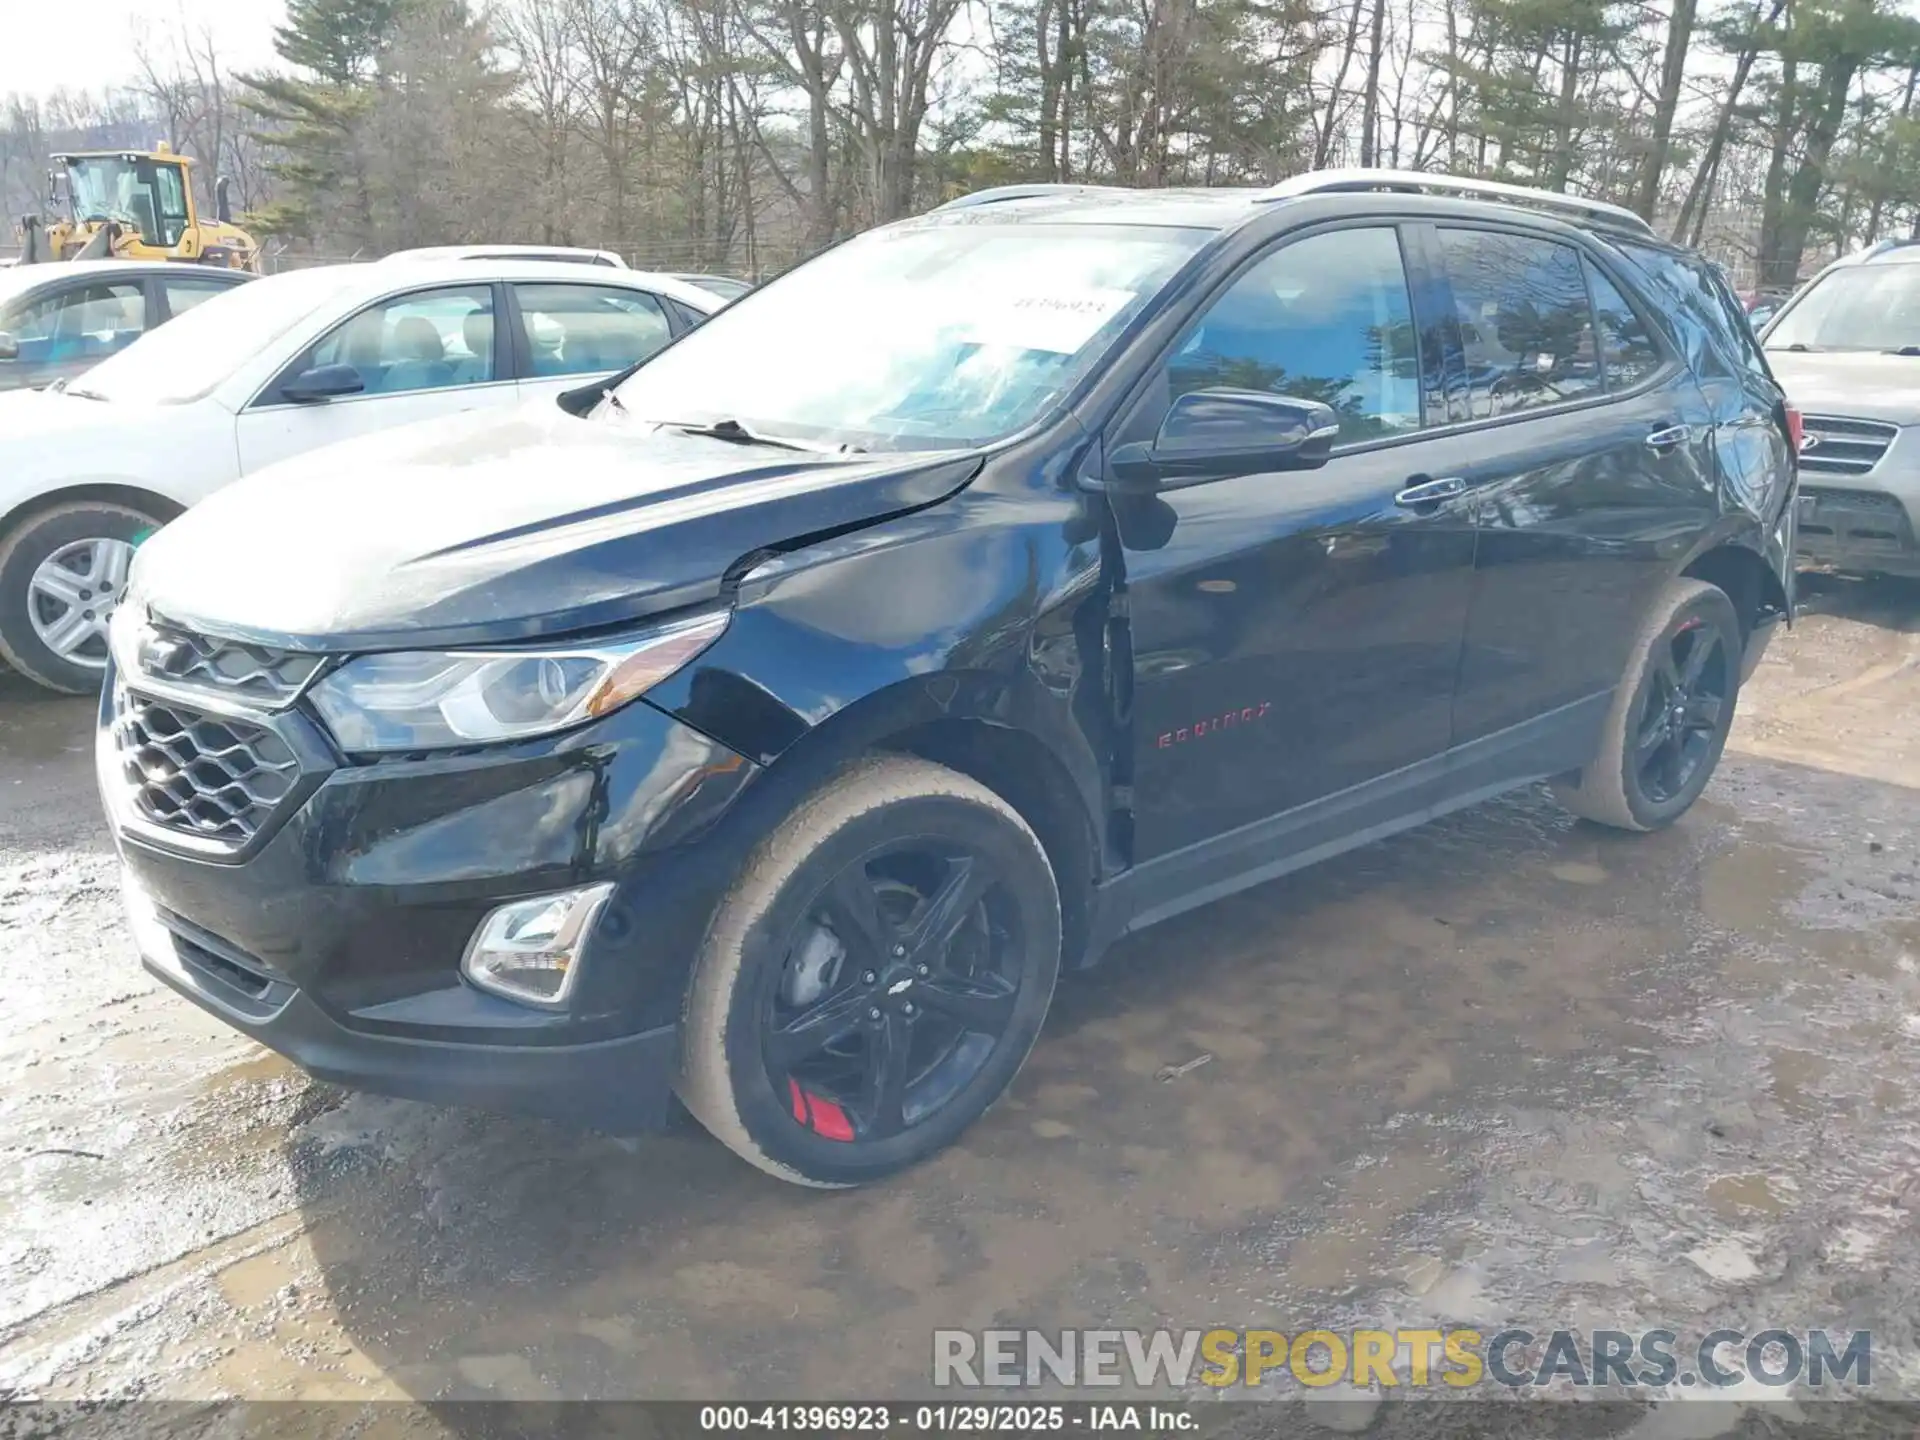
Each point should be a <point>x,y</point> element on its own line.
<point>272,369</point>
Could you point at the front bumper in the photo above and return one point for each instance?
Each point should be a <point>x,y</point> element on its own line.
<point>1848,526</point>
<point>335,936</point>
<point>623,1085</point>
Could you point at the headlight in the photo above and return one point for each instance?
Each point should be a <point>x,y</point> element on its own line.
<point>123,631</point>
<point>427,700</point>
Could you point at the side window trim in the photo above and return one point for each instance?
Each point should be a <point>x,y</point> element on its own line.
<point>1432,297</point>
<point>1137,392</point>
<point>261,398</point>
<point>513,321</point>
<point>503,371</point>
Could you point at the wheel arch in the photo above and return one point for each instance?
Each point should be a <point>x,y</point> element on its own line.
<point>976,722</point>
<point>1736,567</point>
<point>1019,768</point>
<point>111,492</point>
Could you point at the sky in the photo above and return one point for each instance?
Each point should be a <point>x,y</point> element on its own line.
<point>51,44</point>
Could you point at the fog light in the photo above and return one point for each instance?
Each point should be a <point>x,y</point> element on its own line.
<point>530,950</point>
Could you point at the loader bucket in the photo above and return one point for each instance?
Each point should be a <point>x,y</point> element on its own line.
<point>100,247</point>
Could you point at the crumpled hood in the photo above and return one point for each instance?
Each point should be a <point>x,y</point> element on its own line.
<point>1870,386</point>
<point>490,528</point>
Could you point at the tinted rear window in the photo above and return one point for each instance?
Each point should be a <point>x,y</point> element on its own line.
<point>1526,328</point>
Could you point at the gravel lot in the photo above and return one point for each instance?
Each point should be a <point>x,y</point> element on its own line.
<point>1506,1069</point>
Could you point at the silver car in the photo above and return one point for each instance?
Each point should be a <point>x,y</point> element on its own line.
<point>1847,349</point>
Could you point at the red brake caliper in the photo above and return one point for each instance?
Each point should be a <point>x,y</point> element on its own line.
<point>819,1115</point>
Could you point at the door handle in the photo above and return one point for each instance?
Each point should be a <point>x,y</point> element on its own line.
<point>1427,492</point>
<point>1668,436</point>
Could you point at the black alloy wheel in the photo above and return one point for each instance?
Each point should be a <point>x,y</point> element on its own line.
<point>1670,716</point>
<point>1688,694</point>
<point>874,978</point>
<point>898,983</point>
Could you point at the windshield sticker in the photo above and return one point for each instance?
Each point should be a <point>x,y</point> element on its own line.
<point>1060,321</point>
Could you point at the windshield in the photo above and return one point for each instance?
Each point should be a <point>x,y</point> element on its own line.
<point>148,195</point>
<point>947,336</point>
<point>1863,307</point>
<point>186,358</point>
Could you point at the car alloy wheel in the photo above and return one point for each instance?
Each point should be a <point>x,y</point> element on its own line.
<point>63,570</point>
<point>1669,717</point>
<point>874,978</point>
<point>71,595</point>
<point>897,986</point>
<point>1687,697</point>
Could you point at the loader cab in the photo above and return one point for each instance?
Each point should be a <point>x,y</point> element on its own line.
<point>148,194</point>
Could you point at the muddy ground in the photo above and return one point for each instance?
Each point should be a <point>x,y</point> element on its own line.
<point>1506,1069</point>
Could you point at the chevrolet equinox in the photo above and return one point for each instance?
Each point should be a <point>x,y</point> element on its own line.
<point>771,725</point>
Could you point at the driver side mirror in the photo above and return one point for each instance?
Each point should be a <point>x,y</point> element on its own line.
<point>9,347</point>
<point>322,383</point>
<point>1220,433</point>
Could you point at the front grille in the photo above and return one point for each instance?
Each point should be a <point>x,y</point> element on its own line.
<point>202,775</point>
<point>253,672</point>
<point>1845,447</point>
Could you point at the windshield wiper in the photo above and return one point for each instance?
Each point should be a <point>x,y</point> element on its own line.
<point>81,392</point>
<point>1801,346</point>
<point>1905,350</point>
<point>733,431</point>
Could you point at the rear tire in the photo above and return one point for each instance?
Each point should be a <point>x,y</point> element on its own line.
<point>1670,716</point>
<point>874,979</point>
<point>61,573</point>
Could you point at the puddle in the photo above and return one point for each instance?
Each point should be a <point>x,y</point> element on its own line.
<point>1737,1197</point>
<point>1747,888</point>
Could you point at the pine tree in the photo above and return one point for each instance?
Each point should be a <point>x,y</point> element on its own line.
<point>339,41</point>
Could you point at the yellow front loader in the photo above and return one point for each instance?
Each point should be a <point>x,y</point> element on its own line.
<point>133,205</point>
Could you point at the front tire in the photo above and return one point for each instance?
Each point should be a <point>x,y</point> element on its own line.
<point>875,978</point>
<point>1670,717</point>
<point>61,573</point>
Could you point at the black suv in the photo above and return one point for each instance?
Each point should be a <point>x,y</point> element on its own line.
<point>773,724</point>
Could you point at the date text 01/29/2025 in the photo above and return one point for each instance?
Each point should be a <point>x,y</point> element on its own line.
<point>961,1419</point>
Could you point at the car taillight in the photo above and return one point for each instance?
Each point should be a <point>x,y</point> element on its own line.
<point>1795,428</point>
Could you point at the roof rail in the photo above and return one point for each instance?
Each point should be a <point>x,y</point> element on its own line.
<point>1892,242</point>
<point>998,193</point>
<point>1317,182</point>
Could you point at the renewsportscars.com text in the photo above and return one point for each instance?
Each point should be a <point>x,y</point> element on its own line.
<point>1456,1359</point>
